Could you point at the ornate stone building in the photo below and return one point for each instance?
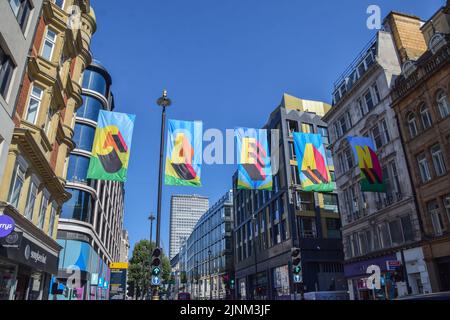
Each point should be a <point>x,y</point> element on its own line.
<point>32,190</point>
<point>422,105</point>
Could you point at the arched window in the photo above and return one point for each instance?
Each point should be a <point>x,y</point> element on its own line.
<point>444,107</point>
<point>425,116</point>
<point>412,124</point>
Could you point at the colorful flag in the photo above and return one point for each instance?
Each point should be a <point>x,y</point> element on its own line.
<point>255,170</point>
<point>111,148</point>
<point>184,153</point>
<point>312,163</point>
<point>366,157</point>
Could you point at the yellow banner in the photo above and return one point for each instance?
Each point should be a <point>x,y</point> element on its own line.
<point>118,265</point>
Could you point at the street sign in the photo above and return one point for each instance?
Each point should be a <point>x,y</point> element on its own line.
<point>393,265</point>
<point>156,281</point>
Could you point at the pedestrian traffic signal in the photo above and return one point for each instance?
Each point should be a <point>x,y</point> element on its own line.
<point>296,261</point>
<point>156,262</point>
<point>232,284</point>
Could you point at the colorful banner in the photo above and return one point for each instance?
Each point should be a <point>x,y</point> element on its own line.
<point>255,170</point>
<point>312,163</point>
<point>366,157</point>
<point>111,148</point>
<point>184,153</point>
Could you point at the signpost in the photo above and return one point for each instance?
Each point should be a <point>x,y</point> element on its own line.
<point>118,281</point>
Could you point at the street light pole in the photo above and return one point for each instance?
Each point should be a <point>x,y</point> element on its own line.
<point>163,102</point>
<point>254,252</point>
<point>151,218</point>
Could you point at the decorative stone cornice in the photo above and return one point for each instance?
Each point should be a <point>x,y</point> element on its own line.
<point>55,16</point>
<point>23,137</point>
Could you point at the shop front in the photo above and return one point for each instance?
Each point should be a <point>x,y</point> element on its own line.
<point>358,273</point>
<point>28,258</point>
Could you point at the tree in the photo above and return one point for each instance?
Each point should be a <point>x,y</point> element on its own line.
<point>139,268</point>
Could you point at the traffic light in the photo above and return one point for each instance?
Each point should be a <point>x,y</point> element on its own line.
<point>156,268</point>
<point>232,284</point>
<point>130,289</point>
<point>296,261</point>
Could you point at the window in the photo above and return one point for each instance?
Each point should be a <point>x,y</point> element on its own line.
<point>436,217</point>
<point>16,185</point>
<point>443,104</point>
<point>79,207</point>
<point>31,200</point>
<point>412,125</point>
<point>438,160</point>
<point>294,175</point>
<point>78,168</point>
<point>384,129</point>
<point>330,202</point>
<point>333,228</point>
<point>292,151</point>
<point>22,10</point>
<point>361,108</point>
<point>49,45</point>
<point>43,210</point>
<point>377,92</point>
<point>34,104</point>
<point>307,227</point>
<point>377,137</point>
<point>425,116</point>
<point>84,136</point>
<point>6,71</point>
<point>343,124</point>
<point>323,131</point>
<point>396,232</point>
<point>349,158</point>
<point>90,109</point>
<point>60,3</point>
<point>407,227</point>
<point>51,225</point>
<point>424,168</point>
<point>384,236</point>
<point>447,206</point>
<point>94,81</point>
<point>369,101</point>
<point>307,128</point>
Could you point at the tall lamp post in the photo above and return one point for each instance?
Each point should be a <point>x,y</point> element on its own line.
<point>151,218</point>
<point>163,102</point>
<point>254,253</point>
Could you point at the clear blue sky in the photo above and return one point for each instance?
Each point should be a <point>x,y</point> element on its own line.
<point>224,62</point>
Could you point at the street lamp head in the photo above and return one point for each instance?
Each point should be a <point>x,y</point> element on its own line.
<point>164,101</point>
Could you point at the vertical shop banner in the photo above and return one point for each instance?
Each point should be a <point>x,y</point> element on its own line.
<point>366,157</point>
<point>255,170</point>
<point>312,163</point>
<point>184,153</point>
<point>111,148</point>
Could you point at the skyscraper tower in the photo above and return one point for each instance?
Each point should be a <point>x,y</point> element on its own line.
<point>185,211</point>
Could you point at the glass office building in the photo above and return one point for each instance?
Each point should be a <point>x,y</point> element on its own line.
<point>90,224</point>
<point>206,256</point>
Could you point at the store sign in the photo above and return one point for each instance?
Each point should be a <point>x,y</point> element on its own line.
<point>12,240</point>
<point>393,265</point>
<point>118,283</point>
<point>7,226</point>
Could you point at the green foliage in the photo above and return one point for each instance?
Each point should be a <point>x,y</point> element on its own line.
<point>139,269</point>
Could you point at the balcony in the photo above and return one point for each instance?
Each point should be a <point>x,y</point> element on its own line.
<point>43,70</point>
<point>425,68</point>
<point>357,69</point>
<point>55,16</point>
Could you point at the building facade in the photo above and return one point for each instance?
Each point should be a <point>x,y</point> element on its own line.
<point>207,253</point>
<point>32,190</point>
<point>377,227</point>
<point>19,21</point>
<point>124,247</point>
<point>268,224</point>
<point>185,210</point>
<point>90,224</point>
<point>422,105</point>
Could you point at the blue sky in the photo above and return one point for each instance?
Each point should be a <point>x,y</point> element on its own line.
<point>224,62</point>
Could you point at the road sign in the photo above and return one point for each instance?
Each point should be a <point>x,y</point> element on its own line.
<point>156,281</point>
<point>393,265</point>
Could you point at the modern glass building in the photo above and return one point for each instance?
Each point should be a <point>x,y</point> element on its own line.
<point>90,225</point>
<point>206,256</point>
<point>267,224</point>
